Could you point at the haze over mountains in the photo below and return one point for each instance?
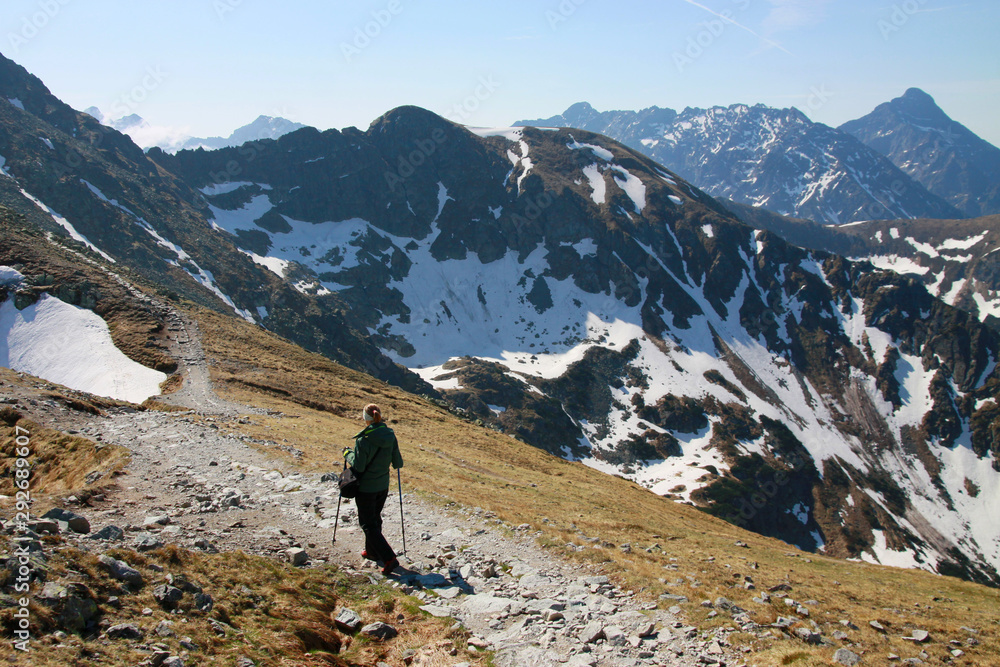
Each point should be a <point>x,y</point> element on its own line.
<point>147,136</point>
<point>571,291</point>
<point>780,160</point>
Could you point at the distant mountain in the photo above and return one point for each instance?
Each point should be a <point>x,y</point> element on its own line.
<point>945,156</point>
<point>173,140</point>
<point>773,158</point>
<point>264,127</point>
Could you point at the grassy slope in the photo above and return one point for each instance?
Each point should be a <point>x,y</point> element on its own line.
<point>454,461</point>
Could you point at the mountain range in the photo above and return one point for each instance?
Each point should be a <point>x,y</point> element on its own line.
<point>568,290</point>
<point>779,160</point>
<point>147,136</point>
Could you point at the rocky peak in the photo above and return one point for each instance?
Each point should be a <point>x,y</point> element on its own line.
<point>940,153</point>
<point>920,106</point>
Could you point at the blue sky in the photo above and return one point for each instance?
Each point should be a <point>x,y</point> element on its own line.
<point>209,66</point>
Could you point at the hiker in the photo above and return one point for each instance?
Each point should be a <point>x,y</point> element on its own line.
<point>374,449</point>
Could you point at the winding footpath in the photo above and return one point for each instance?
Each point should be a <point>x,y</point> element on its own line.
<point>194,484</point>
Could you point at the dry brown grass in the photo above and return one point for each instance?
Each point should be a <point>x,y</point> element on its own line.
<point>279,615</point>
<point>172,384</point>
<point>454,461</point>
<point>60,464</point>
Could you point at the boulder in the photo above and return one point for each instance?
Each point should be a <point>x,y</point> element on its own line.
<point>110,533</point>
<point>76,523</point>
<point>379,630</point>
<point>124,631</point>
<point>121,570</point>
<point>845,657</point>
<point>593,632</point>
<point>808,636</point>
<point>296,556</point>
<point>347,621</point>
<point>168,596</point>
<point>918,636</point>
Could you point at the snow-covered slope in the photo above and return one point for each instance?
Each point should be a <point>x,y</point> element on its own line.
<point>69,345</point>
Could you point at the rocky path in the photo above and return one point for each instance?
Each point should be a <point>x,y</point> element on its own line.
<point>193,484</point>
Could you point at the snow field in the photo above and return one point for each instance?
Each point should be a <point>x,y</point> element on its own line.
<point>71,346</point>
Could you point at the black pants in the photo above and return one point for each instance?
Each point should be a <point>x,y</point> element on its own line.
<point>370,519</point>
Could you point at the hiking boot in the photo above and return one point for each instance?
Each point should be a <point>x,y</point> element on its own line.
<point>367,556</point>
<point>390,567</point>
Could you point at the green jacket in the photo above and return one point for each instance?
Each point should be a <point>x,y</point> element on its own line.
<point>374,449</point>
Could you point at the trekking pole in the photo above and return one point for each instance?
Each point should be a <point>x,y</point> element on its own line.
<point>336,521</point>
<point>402,524</point>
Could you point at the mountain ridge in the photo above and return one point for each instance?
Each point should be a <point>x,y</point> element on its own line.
<point>775,158</point>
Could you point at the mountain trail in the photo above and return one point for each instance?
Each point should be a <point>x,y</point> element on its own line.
<point>194,483</point>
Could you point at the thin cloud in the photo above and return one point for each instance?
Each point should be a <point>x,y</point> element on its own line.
<point>788,15</point>
<point>739,25</point>
<point>940,9</point>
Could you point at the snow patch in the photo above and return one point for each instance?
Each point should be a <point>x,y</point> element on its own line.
<point>632,186</point>
<point>599,151</point>
<point>508,133</point>
<point>65,224</point>
<point>71,346</point>
<point>10,276</point>
<point>597,183</point>
<point>223,188</point>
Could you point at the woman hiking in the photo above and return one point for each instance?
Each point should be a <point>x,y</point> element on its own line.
<point>375,448</point>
